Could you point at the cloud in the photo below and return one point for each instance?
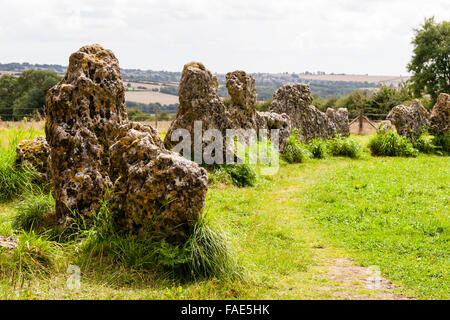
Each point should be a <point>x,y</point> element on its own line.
<point>256,35</point>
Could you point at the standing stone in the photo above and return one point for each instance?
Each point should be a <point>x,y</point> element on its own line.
<point>440,115</point>
<point>242,111</point>
<point>275,121</point>
<point>243,114</point>
<point>156,191</point>
<point>410,121</point>
<point>83,112</point>
<point>295,100</point>
<point>94,148</point>
<point>340,119</point>
<point>198,102</point>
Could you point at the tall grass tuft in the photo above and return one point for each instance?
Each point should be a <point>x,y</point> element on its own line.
<point>345,147</point>
<point>31,212</point>
<point>424,144</point>
<point>390,143</point>
<point>205,254</point>
<point>318,148</point>
<point>35,253</point>
<point>295,151</point>
<point>241,174</point>
<point>442,142</point>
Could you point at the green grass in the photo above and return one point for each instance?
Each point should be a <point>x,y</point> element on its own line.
<point>13,181</point>
<point>394,214</point>
<point>283,235</point>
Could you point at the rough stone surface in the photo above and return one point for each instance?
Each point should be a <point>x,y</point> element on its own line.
<point>409,121</point>
<point>340,119</point>
<point>242,91</point>
<point>241,88</point>
<point>440,115</point>
<point>198,102</point>
<point>83,112</point>
<point>295,100</point>
<point>35,155</point>
<point>272,120</point>
<point>385,125</point>
<point>163,192</point>
<point>8,243</point>
<point>94,148</point>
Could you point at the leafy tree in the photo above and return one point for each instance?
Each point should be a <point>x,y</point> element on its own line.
<point>353,102</point>
<point>430,63</point>
<point>8,93</point>
<point>23,96</point>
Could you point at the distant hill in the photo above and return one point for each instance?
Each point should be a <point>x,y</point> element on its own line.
<point>324,85</point>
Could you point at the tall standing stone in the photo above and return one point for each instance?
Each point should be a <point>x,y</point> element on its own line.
<point>242,91</point>
<point>83,112</point>
<point>198,102</point>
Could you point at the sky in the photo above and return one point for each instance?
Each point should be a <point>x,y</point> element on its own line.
<point>341,36</point>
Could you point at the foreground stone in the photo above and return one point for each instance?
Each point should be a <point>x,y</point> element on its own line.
<point>94,148</point>
<point>295,100</point>
<point>34,154</point>
<point>440,115</point>
<point>410,121</point>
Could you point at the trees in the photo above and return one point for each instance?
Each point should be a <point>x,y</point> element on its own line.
<point>23,96</point>
<point>430,63</point>
<point>8,93</point>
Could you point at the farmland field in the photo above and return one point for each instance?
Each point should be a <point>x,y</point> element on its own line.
<point>312,231</point>
<point>150,97</point>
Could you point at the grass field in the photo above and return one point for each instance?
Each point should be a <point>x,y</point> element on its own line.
<point>312,231</point>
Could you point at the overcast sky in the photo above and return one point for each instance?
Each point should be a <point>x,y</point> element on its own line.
<point>351,36</point>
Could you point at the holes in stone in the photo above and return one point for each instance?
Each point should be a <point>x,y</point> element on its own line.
<point>91,106</point>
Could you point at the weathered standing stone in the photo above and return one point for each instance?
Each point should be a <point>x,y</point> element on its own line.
<point>198,102</point>
<point>242,111</point>
<point>409,121</point>
<point>275,121</point>
<point>35,155</point>
<point>163,193</point>
<point>440,115</point>
<point>95,148</point>
<point>241,88</point>
<point>295,100</point>
<point>340,119</point>
<point>84,111</point>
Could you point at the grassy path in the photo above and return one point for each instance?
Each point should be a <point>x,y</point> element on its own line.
<point>291,259</point>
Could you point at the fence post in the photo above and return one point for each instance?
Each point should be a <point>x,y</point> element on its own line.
<point>361,119</point>
<point>156,117</point>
